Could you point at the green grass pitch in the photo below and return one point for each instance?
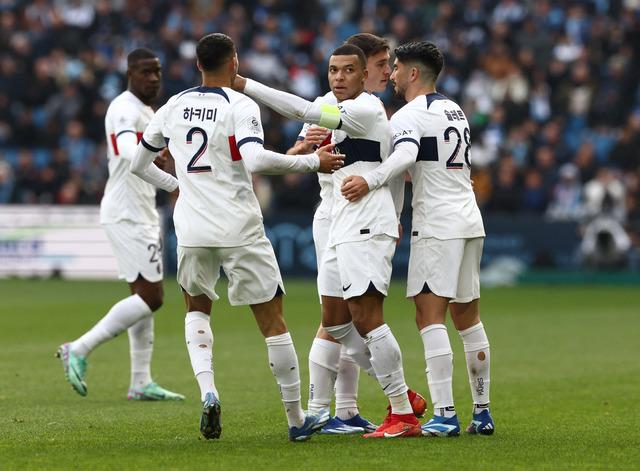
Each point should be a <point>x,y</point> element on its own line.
<point>565,386</point>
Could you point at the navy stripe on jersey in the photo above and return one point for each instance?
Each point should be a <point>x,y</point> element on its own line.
<point>149,146</point>
<point>249,139</point>
<point>428,151</point>
<point>188,91</point>
<point>126,130</point>
<point>431,97</point>
<point>406,139</point>
<point>217,90</point>
<point>359,150</point>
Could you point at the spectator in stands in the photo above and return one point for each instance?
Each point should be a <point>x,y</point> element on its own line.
<point>566,199</point>
<point>6,181</point>
<point>546,83</point>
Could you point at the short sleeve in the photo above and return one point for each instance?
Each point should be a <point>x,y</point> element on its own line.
<point>404,129</point>
<point>303,132</point>
<point>247,123</point>
<point>124,118</point>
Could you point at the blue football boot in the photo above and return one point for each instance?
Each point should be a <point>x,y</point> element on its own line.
<point>440,426</point>
<point>313,422</point>
<point>481,423</point>
<point>359,421</point>
<point>210,423</point>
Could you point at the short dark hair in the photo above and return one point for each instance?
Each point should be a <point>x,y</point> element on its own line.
<point>351,50</point>
<point>424,53</point>
<point>139,54</point>
<point>369,43</point>
<point>213,50</point>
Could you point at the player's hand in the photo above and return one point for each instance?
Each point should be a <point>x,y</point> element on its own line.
<point>354,187</point>
<point>239,83</point>
<point>329,162</point>
<point>400,233</point>
<point>314,137</point>
<point>175,193</point>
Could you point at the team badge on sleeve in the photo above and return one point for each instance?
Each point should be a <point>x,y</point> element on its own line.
<point>252,125</point>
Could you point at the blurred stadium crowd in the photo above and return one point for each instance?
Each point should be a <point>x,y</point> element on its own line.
<point>551,89</point>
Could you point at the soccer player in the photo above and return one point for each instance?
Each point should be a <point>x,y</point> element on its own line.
<point>432,139</point>
<point>129,216</point>
<point>356,265</point>
<point>215,136</point>
<point>330,364</point>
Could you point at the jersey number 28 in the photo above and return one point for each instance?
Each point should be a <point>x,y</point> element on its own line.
<point>451,161</point>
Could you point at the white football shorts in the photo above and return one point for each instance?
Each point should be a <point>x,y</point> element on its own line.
<point>449,268</point>
<point>349,268</point>
<point>138,249</point>
<point>252,270</point>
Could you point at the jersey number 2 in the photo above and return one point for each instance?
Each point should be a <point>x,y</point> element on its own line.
<point>451,161</point>
<point>191,166</point>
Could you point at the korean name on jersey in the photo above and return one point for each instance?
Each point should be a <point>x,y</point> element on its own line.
<point>204,128</point>
<point>444,205</point>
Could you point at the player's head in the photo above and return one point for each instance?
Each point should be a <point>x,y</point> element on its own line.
<point>216,55</point>
<point>347,71</point>
<point>417,64</point>
<point>143,74</point>
<point>376,50</point>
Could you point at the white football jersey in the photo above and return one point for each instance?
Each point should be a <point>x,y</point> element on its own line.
<point>204,128</point>
<point>126,197</point>
<point>364,136</point>
<point>444,205</point>
<point>324,179</point>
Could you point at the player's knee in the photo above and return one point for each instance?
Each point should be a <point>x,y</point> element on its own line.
<point>153,298</point>
<point>364,325</point>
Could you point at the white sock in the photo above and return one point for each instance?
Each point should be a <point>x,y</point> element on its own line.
<point>324,358</point>
<point>284,366</point>
<point>439,358</point>
<point>140,351</point>
<point>120,317</point>
<point>347,387</point>
<point>348,336</point>
<point>199,338</point>
<point>386,359</point>
<point>476,351</point>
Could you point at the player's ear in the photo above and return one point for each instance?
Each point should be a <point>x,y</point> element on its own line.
<point>198,65</point>
<point>415,74</point>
